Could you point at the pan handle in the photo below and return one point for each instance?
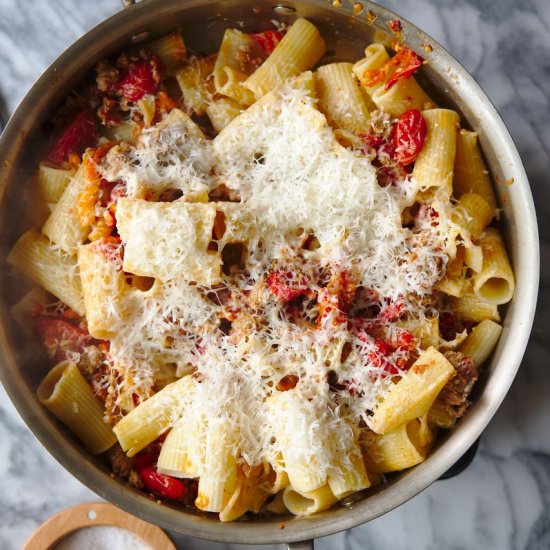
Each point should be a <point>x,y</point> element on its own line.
<point>304,545</point>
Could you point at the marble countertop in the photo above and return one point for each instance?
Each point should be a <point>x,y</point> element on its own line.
<point>502,501</point>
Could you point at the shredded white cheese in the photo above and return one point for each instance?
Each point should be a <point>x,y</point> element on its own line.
<point>295,183</point>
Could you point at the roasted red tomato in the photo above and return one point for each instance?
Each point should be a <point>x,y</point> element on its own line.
<point>409,136</point>
<point>141,78</point>
<point>286,286</point>
<point>145,459</point>
<point>408,62</point>
<point>60,338</point>
<point>268,40</point>
<point>80,133</point>
<point>163,485</point>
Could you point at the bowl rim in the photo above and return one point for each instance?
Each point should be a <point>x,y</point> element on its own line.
<point>508,354</point>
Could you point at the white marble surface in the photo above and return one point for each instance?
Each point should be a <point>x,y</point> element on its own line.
<point>502,502</point>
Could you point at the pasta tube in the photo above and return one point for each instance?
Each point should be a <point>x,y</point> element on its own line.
<point>63,226</point>
<point>340,97</point>
<point>103,288</point>
<point>298,51</point>
<point>291,420</point>
<point>35,257</point>
<point>471,308</point>
<point>401,447</point>
<point>471,174</point>
<point>196,84</point>
<point>182,453</point>
<point>52,181</point>
<point>405,93</point>
<point>414,394</point>
<point>433,169</point>
<point>219,474</point>
<point>152,417</point>
<point>171,50</point>
<point>66,394</point>
<point>481,342</point>
<point>27,307</point>
<point>349,477</point>
<point>249,495</point>
<point>495,282</point>
<point>307,503</point>
<point>221,112</point>
<point>476,213</point>
<point>168,239</point>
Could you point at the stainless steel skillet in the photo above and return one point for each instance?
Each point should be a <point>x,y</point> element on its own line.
<point>347,30</point>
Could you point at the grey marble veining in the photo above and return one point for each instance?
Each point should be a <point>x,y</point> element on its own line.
<point>502,502</point>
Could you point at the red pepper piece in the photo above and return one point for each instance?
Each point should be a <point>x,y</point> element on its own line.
<point>268,40</point>
<point>378,358</point>
<point>285,286</point>
<point>60,338</point>
<point>145,459</point>
<point>405,340</point>
<point>161,484</point>
<point>408,62</point>
<point>80,133</point>
<point>141,78</point>
<point>409,136</point>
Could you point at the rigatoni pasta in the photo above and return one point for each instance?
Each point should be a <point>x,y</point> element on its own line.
<point>378,73</point>
<point>305,504</point>
<point>340,98</point>
<point>63,227</point>
<point>152,418</point>
<point>471,174</point>
<point>495,282</point>
<point>68,396</point>
<point>414,394</point>
<point>433,169</point>
<point>52,181</point>
<point>48,267</point>
<point>270,287</point>
<point>299,50</point>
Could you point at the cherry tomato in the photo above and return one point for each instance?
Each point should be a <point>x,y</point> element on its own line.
<point>285,286</point>
<point>161,484</point>
<point>80,133</point>
<point>408,62</point>
<point>141,78</point>
<point>60,338</point>
<point>268,40</point>
<point>409,136</point>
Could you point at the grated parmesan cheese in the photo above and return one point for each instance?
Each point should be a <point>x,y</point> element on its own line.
<point>174,154</point>
<point>296,184</point>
